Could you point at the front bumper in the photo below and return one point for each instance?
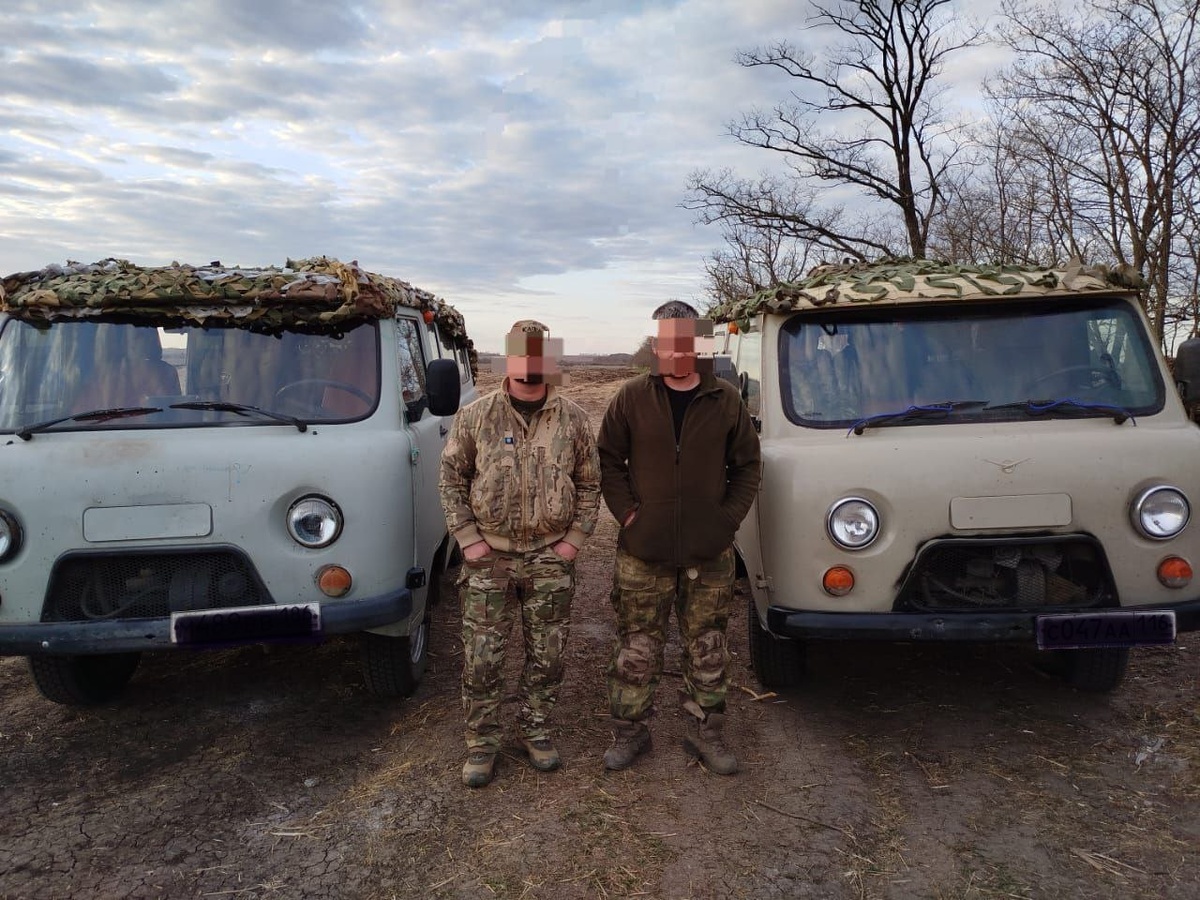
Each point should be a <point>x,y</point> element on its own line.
<point>913,627</point>
<point>121,636</point>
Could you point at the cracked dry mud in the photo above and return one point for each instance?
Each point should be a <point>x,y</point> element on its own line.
<point>896,772</point>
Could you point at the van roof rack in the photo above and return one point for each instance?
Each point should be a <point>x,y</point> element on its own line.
<point>892,281</point>
<point>316,291</point>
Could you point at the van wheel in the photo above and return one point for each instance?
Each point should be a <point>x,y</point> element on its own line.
<point>1098,670</point>
<point>778,662</point>
<point>83,680</point>
<point>394,666</point>
<point>433,596</point>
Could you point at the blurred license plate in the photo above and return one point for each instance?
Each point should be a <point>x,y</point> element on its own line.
<point>1108,629</point>
<point>247,624</point>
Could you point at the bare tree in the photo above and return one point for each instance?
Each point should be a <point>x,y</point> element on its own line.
<point>754,259</point>
<point>1111,99</point>
<point>890,145</point>
<point>643,357</point>
<point>1182,318</point>
<point>1018,205</point>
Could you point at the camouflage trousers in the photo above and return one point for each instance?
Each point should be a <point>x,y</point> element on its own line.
<point>539,584</point>
<point>642,595</point>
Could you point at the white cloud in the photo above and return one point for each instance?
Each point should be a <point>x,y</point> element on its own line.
<point>519,157</point>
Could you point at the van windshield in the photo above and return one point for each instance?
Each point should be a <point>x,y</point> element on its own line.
<point>163,377</point>
<point>999,362</point>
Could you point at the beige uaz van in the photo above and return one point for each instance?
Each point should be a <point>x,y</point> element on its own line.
<point>208,456</point>
<point>964,454</point>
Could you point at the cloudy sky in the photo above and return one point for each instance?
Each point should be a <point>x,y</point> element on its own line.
<point>517,157</point>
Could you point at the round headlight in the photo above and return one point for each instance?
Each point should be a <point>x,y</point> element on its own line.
<point>10,536</point>
<point>853,523</point>
<point>314,522</point>
<point>1160,513</point>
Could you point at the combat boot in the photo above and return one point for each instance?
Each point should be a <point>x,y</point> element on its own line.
<point>479,768</point>
<point>542,754</point>
<point>706,741</point>
<point>630,740</point>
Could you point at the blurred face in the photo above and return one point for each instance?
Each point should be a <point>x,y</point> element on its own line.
<point>683,346</point>
<point>532,359</point>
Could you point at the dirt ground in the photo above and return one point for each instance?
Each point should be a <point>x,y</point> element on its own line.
<point>893,772</point>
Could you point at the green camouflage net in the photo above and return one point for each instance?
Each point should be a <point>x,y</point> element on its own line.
<point>910,281</point>
<point>305,292</point>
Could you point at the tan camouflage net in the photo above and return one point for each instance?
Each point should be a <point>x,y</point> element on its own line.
<point>313,291</point>
<point>910,281</point>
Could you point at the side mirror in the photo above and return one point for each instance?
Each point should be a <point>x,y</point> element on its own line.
<point>723,368</point>
<point>443,387</point>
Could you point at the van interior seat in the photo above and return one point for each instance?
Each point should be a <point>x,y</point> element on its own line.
<point>128,370</point>
<point>355,366</point>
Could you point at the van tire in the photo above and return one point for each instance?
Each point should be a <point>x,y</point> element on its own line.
<point>778,662</point>
<point>394,666</point>
<point>437,572</point>
<point>1097,670</point>
<point>83,680</point>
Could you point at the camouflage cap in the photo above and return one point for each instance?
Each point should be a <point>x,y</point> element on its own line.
<point>675,309</point>
<point>529,326</point>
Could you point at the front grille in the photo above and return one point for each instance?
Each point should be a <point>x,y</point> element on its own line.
<point>102,586</point>
<point>1016,574</point>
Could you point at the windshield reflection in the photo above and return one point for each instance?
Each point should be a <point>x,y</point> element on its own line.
<point>1082,358</point>
<point>198,376</point>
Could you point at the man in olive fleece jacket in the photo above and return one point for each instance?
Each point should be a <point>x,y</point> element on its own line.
<point>680,467</point>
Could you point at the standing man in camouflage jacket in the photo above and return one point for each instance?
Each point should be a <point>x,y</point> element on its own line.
<point>520,484</point>
<point>679,460</point>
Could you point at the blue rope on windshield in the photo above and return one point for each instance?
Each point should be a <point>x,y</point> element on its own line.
<point>857,427</point>
<point>1119,413</point>
<point>1035,408</point>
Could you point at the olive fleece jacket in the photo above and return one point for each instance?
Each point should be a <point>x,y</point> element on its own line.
<point>690,497</point>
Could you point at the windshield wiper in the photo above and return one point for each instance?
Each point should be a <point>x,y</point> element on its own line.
<point>92,415</point>
<point>241,409</point>
<point>944,408</point>
<point>1039,407</point>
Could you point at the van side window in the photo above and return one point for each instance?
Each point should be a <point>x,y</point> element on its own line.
<point>724,351</point>
<point>410,362</point>
<point>449,351</point>
<point>464,365</point>
<point>429,342</point>
<point>749,369</point>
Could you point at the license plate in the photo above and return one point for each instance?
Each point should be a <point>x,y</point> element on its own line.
<point>246,624</point>
<point>1071,631</point>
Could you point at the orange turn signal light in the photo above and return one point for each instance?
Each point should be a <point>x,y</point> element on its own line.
<point>838,581</point>
<point>427,315</point>
<point>1174,572</point>
<point>334,581</point>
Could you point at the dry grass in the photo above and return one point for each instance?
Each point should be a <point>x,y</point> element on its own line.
<point>877,853</point>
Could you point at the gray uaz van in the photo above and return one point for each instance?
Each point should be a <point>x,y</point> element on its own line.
<point>209,456</point>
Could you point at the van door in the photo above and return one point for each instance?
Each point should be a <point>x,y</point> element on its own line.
<point>745,350</point>
<point>428,435</point>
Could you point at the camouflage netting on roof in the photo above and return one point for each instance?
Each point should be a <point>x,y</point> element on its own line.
<point>907,281</point>
<point>303,292</point>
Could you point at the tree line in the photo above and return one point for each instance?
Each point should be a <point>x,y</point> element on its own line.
<point>1087,147</point>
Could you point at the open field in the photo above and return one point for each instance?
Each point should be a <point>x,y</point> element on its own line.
<point>895,772</point>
